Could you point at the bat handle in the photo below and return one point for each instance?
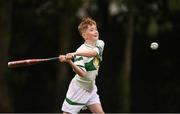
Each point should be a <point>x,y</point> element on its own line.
<point>53,58</point>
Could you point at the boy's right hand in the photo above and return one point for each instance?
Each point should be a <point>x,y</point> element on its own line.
<point>62,58</point>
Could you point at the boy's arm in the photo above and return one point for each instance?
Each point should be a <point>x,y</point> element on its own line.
<point>77,70</point>
<point>88,53</point>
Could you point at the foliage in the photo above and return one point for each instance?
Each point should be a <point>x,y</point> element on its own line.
<point>45,28</point>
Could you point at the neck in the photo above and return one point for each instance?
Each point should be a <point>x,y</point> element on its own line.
<point>92,43</point>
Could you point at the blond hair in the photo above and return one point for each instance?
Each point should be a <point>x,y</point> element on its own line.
<point>85,23</point>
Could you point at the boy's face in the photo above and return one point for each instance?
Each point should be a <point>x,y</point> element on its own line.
<point>91,33</point>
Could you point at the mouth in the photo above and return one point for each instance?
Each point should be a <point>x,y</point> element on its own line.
<point>95,36</point>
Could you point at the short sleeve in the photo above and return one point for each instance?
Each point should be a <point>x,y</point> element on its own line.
<point>78,60</point>
<point>99,48</point>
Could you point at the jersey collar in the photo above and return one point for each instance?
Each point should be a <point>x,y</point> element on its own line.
<point>88,45</point>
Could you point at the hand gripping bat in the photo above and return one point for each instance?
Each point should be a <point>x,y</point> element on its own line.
<point>28,62</point>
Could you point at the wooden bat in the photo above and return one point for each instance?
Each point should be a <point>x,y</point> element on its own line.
<point>27,62</point>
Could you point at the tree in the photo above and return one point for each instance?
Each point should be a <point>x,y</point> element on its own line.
<point>5,12</point>
<point>66,21</point>
<point>125,73</point>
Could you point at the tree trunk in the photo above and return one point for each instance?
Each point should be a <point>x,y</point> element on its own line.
<point>64,47</point>
<point>5,11</point>
<point>66,20</point>
<point>126,67</point>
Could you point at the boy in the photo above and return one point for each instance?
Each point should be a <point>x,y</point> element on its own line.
<point>82,90</point>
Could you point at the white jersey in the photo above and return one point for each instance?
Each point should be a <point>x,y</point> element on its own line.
<point>89,64</point>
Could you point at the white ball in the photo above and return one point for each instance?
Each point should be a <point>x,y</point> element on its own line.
<point>154,45</point>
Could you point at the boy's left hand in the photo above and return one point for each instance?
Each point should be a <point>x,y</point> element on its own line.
<point>70,56</point>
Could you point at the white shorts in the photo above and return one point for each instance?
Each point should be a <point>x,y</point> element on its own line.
<point>77,97</point>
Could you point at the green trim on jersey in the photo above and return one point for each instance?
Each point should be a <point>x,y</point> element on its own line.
<point>90,65</point>
<point>78,59</point>
<point>100,51</point>
<point>72,102</point>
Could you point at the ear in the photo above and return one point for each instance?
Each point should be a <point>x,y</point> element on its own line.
<point>84,35</point>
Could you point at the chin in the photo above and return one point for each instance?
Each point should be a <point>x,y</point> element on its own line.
<point>96,38</point>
